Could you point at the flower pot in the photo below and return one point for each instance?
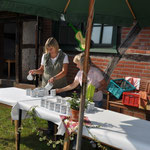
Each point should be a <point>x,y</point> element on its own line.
<point>74,115</point>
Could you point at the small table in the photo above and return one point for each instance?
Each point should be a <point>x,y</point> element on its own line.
<point>9,61</point>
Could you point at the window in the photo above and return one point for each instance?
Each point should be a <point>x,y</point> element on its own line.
<point>103,36</point>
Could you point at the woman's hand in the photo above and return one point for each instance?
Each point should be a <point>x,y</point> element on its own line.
<point>102,86</point>
<point>96,90</point>
<point>51,80</point>
<point>32,71</point>
<point>37,71</point>
<point>58,90</point>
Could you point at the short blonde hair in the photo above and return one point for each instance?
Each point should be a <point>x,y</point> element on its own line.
<point>77,57</point>
<point>51,42</point>
<point>80,58</point>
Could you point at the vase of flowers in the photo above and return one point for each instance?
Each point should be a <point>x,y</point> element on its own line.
<point>74,106</point>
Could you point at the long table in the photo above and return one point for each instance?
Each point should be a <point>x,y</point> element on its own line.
<point>118,130</point>
<point>10,96</point>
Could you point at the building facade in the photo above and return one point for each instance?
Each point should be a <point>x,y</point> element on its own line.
<point>22,39</point>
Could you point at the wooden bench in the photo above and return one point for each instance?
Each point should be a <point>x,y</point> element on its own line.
<point>118,106</point>
<point>24,86</point>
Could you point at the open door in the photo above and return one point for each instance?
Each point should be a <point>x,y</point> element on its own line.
<point>7,53</point>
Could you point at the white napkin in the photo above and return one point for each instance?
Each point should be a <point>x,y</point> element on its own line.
<point>30,77</point>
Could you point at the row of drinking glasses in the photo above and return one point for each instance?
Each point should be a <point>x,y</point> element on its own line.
<point>57,104</point>
<point>40,92</point>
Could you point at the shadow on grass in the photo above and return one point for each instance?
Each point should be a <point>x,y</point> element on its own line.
<point>32,142</point>
<point>5,142</point>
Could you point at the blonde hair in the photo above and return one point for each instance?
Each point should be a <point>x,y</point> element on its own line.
<point>77,57</point>
<point>51,42</point>
<point>80,58</point>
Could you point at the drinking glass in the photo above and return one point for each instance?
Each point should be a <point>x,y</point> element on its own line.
<point>48,86</point>
<point>43,102</point>
<point>53,92</point>
<point>52,106</point>
<point>57,107</point>
<point>63,109</point>
<point>59,99</point>
<point>47,103</point>
<point>28,92</point>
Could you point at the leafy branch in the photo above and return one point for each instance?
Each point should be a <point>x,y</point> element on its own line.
<point>32,122</point>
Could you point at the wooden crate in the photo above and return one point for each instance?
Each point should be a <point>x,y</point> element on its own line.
<point>145,86</point>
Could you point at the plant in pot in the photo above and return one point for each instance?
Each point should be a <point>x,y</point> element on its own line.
<point>74,106</point>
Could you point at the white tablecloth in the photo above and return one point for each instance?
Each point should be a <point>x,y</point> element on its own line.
<point>118,130</point>
<point>10,96</point>
<point>122,131</point>
<point>41,112</point>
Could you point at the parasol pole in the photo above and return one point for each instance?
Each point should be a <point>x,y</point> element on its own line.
<point>131,10</point>
<point>85,69</point>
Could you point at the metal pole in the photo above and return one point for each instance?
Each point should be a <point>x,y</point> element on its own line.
<point>18,133</point>
<point>85,71</point>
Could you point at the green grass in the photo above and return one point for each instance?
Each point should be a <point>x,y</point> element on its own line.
<point>29,140</point>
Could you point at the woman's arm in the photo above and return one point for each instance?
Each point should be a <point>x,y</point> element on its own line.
<point>37,71</point>
<point>68,87</point>
<point>102,86</point>
<point>60,74</point>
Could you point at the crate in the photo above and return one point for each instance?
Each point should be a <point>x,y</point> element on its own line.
<point>118,86</point>
<point>145,85</point>
<point>131,99</point>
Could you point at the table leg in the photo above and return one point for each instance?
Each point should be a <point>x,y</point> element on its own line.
<point>66,141</point>
<point>120,110</point>
<point>17,134</point>
<point>108,97</point>
<point>12,122</point>
<point>8,69</point>
<point>55,131</point>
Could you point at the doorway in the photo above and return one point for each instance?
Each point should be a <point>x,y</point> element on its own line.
<point>9,35</point>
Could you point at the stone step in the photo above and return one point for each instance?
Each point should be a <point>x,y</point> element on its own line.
<point>7,83</point>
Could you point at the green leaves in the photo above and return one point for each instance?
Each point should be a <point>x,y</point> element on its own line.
<point>40,139</point>
<point>75,102</point>
<point>54,143</point>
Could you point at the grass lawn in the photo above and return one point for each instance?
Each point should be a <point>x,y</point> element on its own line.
<point>29,140</point>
